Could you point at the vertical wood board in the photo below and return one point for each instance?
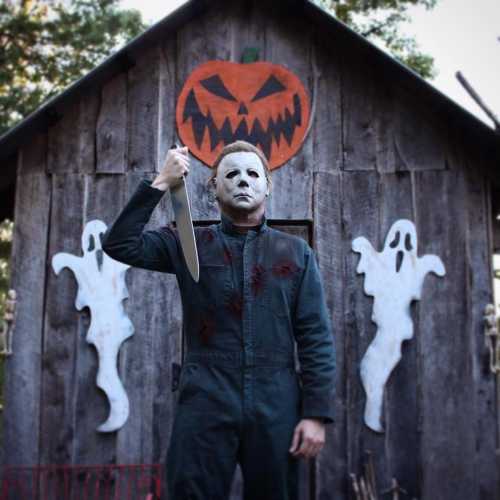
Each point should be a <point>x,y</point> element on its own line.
<point>359,113</point>
<point>143,85</point>
<point>21,430</point>
<point>61,331</point>
<point>111,129</point>
<point>327,114</point>
<point>361,217</point>
<point>290,45</point>
<point>445,343</point>
<point>401,404</point>
<point>332,472</point>
<point>71,146</point>
<point>479,293</point>
<point>420,135</point>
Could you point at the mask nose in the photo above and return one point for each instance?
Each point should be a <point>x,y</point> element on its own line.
<point>243,182</point>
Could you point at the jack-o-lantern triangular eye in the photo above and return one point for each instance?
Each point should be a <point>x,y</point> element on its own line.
<point>272,86</point>
<point>216,86</point>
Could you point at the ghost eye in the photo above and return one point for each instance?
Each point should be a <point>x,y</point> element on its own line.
<point>216,87</point>
<point>272,86</point>
<point>231,174</point>
<point>253,173</point>
<point>408,244</point>
<point>395,242</point>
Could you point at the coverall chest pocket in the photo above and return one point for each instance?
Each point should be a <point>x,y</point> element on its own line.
<point>278,293</point>
<point>215,283</point>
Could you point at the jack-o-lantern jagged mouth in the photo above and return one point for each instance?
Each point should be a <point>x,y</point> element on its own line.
<point>282,127</point>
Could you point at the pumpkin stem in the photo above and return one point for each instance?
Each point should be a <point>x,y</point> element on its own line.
<point>250,55</point>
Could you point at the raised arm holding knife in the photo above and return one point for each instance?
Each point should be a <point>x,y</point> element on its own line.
<point>259,292</point>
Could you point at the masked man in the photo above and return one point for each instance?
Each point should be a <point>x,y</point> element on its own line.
<point>260,293</point>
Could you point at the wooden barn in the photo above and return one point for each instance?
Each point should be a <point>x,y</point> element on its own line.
<point>379,145</point>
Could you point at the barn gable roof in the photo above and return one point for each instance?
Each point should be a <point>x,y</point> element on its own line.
<point>124,59</point>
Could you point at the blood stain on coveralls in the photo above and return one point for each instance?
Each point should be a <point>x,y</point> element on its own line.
<point>258,279</point>
<point>284,269</point>
<point>235,305</point>
<point>207,236</point>
<point>207,329</point>
<point>228,256</point>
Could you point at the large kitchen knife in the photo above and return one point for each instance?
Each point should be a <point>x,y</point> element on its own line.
<point>184,222</point>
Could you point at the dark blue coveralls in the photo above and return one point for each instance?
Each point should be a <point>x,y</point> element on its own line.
<point>240,396</point>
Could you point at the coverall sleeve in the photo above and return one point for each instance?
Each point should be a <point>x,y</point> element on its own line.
<point>315,344</point>
<point>127,242</point>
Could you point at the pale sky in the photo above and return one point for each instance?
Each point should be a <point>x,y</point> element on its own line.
<point>459,34</point>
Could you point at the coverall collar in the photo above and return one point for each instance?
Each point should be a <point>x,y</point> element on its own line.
<point>228,227</point>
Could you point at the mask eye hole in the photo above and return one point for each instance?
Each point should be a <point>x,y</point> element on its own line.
<point>91,243</point>
<point>216,87</point>
<point>395,242</point>
<point>408,244</point>
<point>272,86</point>
<point>231,174</point>
<point>253,173</point>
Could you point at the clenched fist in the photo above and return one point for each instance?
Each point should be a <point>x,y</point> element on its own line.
<point>308,438</point>
<point>175,167</point>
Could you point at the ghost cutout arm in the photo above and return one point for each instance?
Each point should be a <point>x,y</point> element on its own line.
<point>75,264</point>
<point>362,246</point>
<point>428,264</point>
<point>366,263</point>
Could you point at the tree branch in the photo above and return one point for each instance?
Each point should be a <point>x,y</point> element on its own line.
<point>375,29</point>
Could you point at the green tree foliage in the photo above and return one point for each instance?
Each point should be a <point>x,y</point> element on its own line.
<point>45,45</point>
<point>380,21</point>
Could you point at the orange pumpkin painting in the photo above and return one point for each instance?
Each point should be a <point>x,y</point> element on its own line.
<point>262,103</point>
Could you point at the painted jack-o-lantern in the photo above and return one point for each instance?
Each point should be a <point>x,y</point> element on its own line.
<point>262,103</point>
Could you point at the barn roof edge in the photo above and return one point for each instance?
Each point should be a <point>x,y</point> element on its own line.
<point>48,112</point>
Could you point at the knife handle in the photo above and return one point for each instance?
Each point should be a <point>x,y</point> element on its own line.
<point>176,146</point>
<point>183,181</point>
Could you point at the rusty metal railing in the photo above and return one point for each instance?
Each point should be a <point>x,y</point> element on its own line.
<point>75,482</point>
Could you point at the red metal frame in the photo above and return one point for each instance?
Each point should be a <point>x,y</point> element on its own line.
<point>82,482</point>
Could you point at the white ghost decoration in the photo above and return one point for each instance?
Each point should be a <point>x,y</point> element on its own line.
<point>394,277</point>
<point>102,288</point>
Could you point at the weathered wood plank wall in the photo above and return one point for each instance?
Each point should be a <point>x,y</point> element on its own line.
<point>23,369</point>
<point>375,153</point>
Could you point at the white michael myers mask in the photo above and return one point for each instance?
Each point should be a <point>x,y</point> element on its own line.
<point>241,182</point>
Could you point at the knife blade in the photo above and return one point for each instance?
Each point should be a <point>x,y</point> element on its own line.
<point>182,213</point>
